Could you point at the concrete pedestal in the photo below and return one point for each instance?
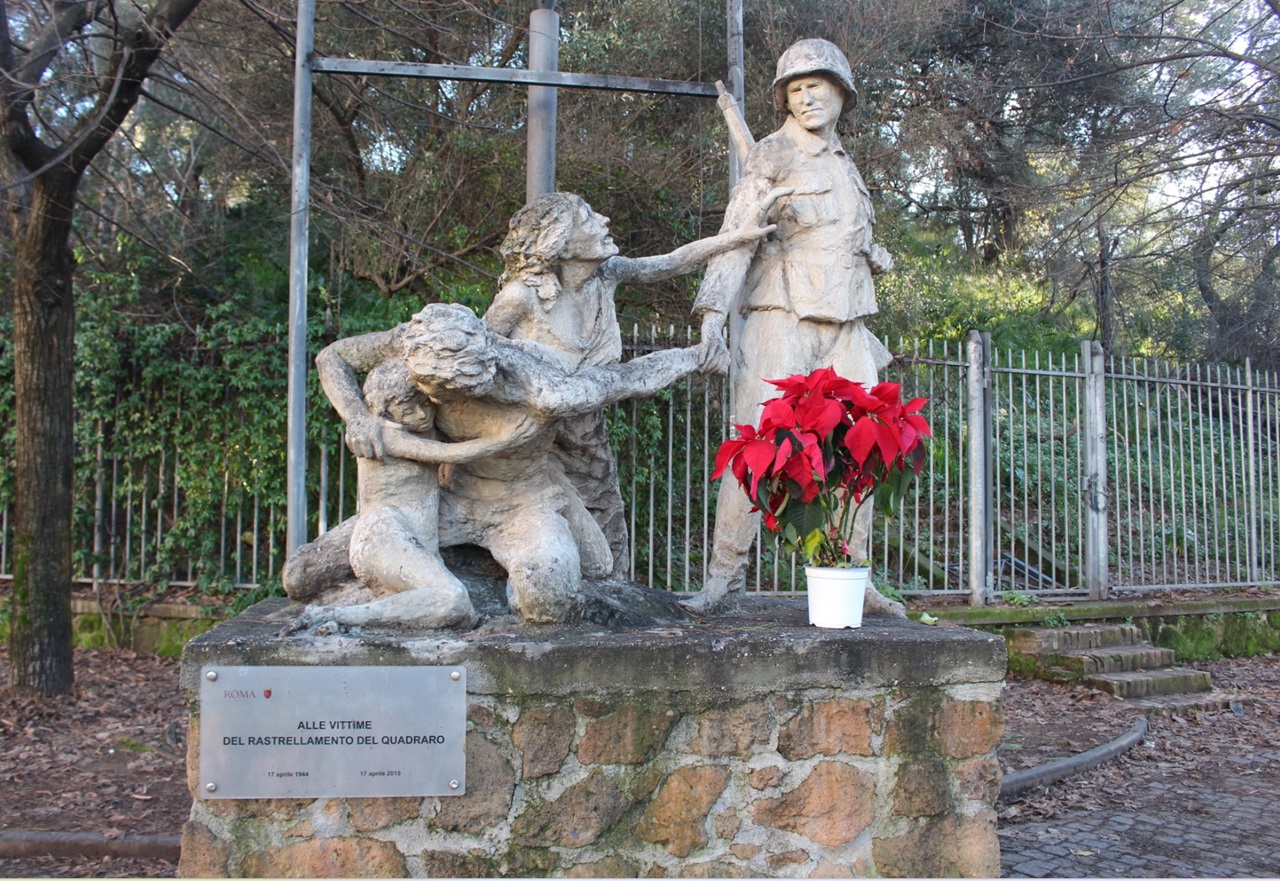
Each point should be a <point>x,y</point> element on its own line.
<point>750,745</point>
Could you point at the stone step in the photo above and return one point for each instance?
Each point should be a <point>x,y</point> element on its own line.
<point>1212,701</point>
<point>1116,659</point>
<point>1055,640</point>
<point>1150,683</point>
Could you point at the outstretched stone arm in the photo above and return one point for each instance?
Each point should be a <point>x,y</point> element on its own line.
<point>747,229</point>
<point>547,387</point>
<point>404,444</point>
<point>727,272</point>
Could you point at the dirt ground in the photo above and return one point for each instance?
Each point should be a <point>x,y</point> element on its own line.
<point>109,759</point>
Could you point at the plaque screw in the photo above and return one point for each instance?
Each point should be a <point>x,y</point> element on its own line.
<point>453,784</point>
<point>211,787</point>
<point>455,675</point>
<point>212,676</point>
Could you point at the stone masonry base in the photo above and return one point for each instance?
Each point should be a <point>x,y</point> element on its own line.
<point>747,746</point>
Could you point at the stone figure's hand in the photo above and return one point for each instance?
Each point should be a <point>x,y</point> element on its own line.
<point>880,260</point>
<point>364,438</point>
<point>755,226</point>
<point>713,354</point>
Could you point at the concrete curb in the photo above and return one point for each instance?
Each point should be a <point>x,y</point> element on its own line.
<point>1021,781</point>
<point>89,844</point>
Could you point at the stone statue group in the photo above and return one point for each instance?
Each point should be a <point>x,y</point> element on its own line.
<point>490,431</point>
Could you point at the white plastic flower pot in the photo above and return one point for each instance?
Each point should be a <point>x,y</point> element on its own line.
<point>836,596</point>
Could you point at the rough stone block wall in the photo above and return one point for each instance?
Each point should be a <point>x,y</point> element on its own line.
<point>601,780</point>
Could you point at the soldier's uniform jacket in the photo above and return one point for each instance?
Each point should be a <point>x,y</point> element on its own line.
<point>814,265</point>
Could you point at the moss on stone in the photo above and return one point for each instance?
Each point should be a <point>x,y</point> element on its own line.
<point>913,726</point>
<point>1215,635</point>
<point>89,632</point>
<point>1246,634</point>
<point>170,637</point>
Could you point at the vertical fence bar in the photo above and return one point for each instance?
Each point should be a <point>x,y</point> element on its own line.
<point>115,510</point>
<point>1114,418</point>
<point>631,457</point>
<point>671,465</point>
<point>996,470</point>
<point>1124,555</point>
<point>1146,465</point>
<point>1269,422</point>
<point>1186,528</point>
<point>222,547</point>
<point>708,487</point>
<point>653,340</point>
<point>1208,497</point>
<point>1057,463</point>
<point>128,524</point>
<point>271,541</point>
<point>957,388</point>
<point>341,447</point>
<point>160,503</point>
<point>1232,464</point>
<point>322,504</point>
<point>688,469</point>
<point>932,552</point>
<point>1164,442</point>
<point>99,505</point>
<point>239,535</point>
<point>1251,454</point>
<point>253,567</point>
<point>177,494</point>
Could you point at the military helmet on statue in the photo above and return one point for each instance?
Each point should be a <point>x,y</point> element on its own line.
<point>813,56</point>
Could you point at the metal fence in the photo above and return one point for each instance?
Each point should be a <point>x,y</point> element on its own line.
<point>1091,475</point>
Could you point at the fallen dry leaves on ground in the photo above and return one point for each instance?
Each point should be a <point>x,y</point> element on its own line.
<point>1048,721</point>
<point>1188,750</point>
<point>109,758</point>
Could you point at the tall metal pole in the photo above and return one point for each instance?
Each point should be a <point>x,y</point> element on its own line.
<point>296,464</point>
<point>734,77</point>
<point>544,55</point>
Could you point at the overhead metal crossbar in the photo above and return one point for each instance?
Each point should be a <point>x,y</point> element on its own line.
<point>543,79</point>
<point>515,75</point>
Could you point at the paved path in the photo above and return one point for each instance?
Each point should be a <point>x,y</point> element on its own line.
<point>1223,824</point>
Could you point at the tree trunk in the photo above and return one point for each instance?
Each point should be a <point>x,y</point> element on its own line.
<point>1104,293</point>
<point>44,312</point>
<point>40,640</point>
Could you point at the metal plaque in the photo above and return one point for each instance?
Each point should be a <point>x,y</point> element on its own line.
<point>309,732</point>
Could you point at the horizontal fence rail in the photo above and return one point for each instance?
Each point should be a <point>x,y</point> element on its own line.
<point>1082,475</point>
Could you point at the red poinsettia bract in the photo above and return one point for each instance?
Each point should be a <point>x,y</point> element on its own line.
<point>824,448</point>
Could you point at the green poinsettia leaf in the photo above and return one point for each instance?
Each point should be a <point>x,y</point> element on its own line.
<point>812,542</point>
<point>805,518</point>
<point>889,494</point>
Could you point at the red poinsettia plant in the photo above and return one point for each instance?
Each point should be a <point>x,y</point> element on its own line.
<point>824,448</point>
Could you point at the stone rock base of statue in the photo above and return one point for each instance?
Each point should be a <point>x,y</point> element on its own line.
<point>746,745</point>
